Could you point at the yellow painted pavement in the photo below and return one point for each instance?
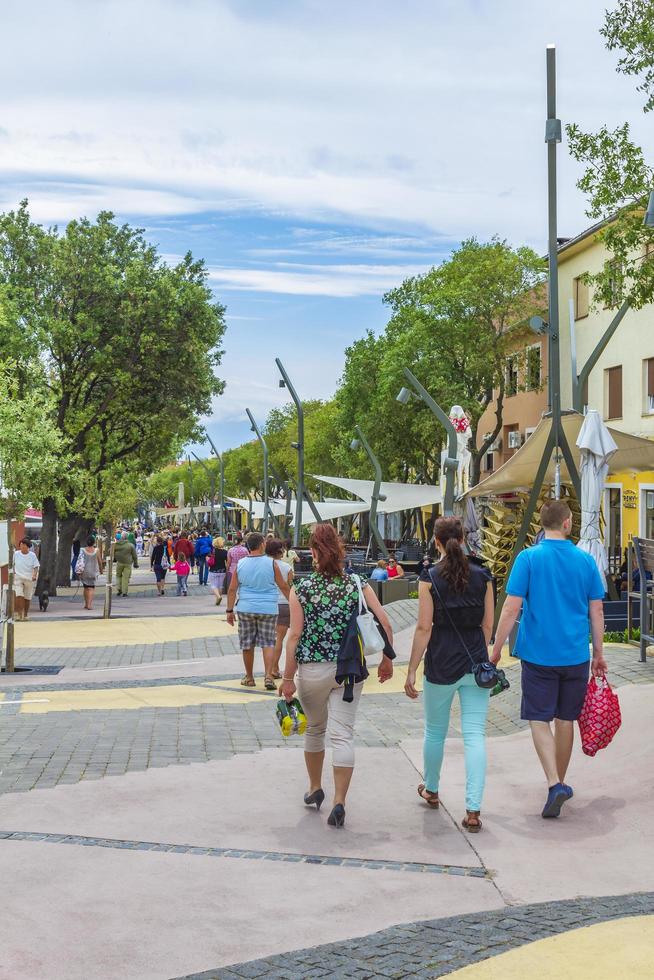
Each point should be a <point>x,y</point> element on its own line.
<point>62,633</point>
<point>622,948</point>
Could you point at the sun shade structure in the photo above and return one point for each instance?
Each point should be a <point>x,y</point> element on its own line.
<point>329,510</point>
<point>633,453</point>
<point>399,496</point>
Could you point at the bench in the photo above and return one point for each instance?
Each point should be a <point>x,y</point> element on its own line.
<point>642,552</point>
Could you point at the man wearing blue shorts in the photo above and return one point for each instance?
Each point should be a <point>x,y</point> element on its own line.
<point>557,588</point>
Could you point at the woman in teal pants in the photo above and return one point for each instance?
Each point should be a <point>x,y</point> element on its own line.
<point>455,622</point>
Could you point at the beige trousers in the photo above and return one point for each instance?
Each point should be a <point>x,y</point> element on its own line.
<point>326,711</point>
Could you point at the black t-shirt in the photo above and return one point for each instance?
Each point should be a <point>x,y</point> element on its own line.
<point>446,659</point>
<point>220,557</point>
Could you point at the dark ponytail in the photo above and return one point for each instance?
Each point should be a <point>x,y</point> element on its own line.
<point>454,566</point>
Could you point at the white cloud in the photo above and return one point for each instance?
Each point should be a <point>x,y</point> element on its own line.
<point>430,115</point>
<point>315,280</point>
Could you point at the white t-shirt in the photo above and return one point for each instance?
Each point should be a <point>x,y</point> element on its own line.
<point>24,565</point>
<point>286,571</point>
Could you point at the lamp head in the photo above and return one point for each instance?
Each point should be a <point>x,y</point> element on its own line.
<point>403,396</point>
<point>295,445</point>
<point>282,383</point>
<point>355,444</point>
<point>537,324</point>
<point>648,220</point>
<point>381,496</point>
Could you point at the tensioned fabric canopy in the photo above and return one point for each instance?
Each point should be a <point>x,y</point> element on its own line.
<point>399,496</point>
<point>518,473</point>
<point>329,510</point>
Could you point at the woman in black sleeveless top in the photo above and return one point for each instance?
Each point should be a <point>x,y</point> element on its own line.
<point>455,622</point>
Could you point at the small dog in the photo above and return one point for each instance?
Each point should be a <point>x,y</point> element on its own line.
<point>44,600</point>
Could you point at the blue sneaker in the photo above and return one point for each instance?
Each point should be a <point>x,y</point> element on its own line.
<point>556,797</point>
<point>568,790</point>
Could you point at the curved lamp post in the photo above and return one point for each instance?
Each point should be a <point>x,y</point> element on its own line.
<point>191,513</point>
<point>362,443</point>
<point>302,492</point>
<point>221,486</point>
<point>212,488</point>
<point>267,510</point>
<point>451,463</point>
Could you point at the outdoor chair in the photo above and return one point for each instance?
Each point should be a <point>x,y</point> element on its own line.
<point>643,552</point>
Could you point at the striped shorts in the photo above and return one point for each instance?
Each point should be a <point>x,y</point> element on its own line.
<point>256,630</point>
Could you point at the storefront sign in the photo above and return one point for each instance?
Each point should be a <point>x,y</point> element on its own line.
<point>630,499</point>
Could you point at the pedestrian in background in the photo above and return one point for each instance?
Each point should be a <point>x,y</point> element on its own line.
<point>202,550</point>
<point>234,555</point>
<point>126,558</point>
<point>26,570</point>
<point>90,568</point>
<point>218,570</point>
<point>182,570</point>
<point>159,562</point>
<point>556,589</point>
<point>258,581</point>
<point>275,549</point>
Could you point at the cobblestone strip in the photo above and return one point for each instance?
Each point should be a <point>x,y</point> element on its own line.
<point>434,948</point>
<point>365,864</point>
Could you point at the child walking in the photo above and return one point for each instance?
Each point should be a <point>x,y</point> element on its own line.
<point>182,570</point>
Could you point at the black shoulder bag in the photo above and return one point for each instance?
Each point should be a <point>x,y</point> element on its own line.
<point>486,674</point>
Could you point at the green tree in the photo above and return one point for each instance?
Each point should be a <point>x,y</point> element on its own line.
<point>617,178</point>
<point>129,347</point>
<point>32,459</point>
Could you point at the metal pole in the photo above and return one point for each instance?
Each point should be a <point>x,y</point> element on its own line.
<point>108,593</point>
<point>301,490</point>
<point>595,356</point>
<point>451,463</point>
<point>381,544</point>
<point>221,519</point>
<point>212,490</point>
<point>552,137</point>
<point>267,509</point>
<point>11,600</point>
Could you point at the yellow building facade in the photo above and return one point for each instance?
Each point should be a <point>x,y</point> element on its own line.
<point>620,386</point>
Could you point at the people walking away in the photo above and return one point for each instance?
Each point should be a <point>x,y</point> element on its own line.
<point>126,558</point>
<point>425,563</point>
<point>139,544</point>
<point>455,623</point>
<point>258,580</point>
<point>183,546</point>
<point>202,550</point>
<point>218,570</point>
<point>159,562</point>
<point>234,555</point>
<point>321,606</point>
<point>380,572</point>
<point>26,570</point>
<point>77,547</point>
<point>290,556</point>
<point>556,589</point>
<point>182,570</point>
<point>90,566</point>
<point>275,549</point>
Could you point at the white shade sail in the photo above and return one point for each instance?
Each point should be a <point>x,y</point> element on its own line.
<point>633,453</point>
<point>399,496</point>
<point>597,448</point>
<point>329,510</point>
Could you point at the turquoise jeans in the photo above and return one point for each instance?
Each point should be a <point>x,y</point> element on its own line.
<point>474,709</point>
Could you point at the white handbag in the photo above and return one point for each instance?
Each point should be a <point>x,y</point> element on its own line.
<point>371,639</point>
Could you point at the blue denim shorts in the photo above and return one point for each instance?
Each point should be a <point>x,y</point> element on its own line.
<point>553,692</point>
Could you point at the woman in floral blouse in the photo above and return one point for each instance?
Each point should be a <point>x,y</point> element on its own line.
<point>321,608</point>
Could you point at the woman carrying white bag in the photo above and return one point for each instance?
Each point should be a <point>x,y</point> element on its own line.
<point>322,605</point>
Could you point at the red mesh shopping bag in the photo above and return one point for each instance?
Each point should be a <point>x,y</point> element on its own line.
<point>600,716</point>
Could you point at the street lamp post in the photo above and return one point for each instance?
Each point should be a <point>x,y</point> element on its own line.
<point>302,492</point>
<point>221,487</point>
<point>362,443</point>
<point>212,488</point>
<point>451,462</point>
<point>267,510</point>
<point>287,497</point>
<point>191,513</point>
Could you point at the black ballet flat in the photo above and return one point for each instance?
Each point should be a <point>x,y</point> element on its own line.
<point>317,797</point>
<point>337,817</point>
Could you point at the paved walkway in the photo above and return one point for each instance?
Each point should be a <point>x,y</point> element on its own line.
<point>151,821</point>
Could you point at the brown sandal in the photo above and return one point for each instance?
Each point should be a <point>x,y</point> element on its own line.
<point>269,683</point>
<point>431,799</point>
<point>471,822</point>
<point>248,681</point>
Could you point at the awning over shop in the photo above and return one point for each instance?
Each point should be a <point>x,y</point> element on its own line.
<point>399,496</point>
<point>518,473</point>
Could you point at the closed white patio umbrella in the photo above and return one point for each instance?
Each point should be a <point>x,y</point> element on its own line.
<point>597,447</point>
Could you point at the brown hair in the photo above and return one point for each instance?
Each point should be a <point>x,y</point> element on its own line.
<point>448,531</point>
<point>274,548</point>
<point>254,540</point>
<point>553,515</point>
<point>329,549</point>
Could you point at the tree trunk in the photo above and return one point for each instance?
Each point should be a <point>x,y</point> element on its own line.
<point>68,528</point>
<point>475,469</point>
<point>46,581</point>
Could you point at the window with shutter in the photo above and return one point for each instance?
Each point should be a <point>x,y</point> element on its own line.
<point>580,298</point>
<point>613,388</point>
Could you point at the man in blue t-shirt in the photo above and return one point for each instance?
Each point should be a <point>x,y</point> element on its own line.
<point>557,588</point>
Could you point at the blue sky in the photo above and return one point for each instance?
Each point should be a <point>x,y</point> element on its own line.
<point>314,153</point>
